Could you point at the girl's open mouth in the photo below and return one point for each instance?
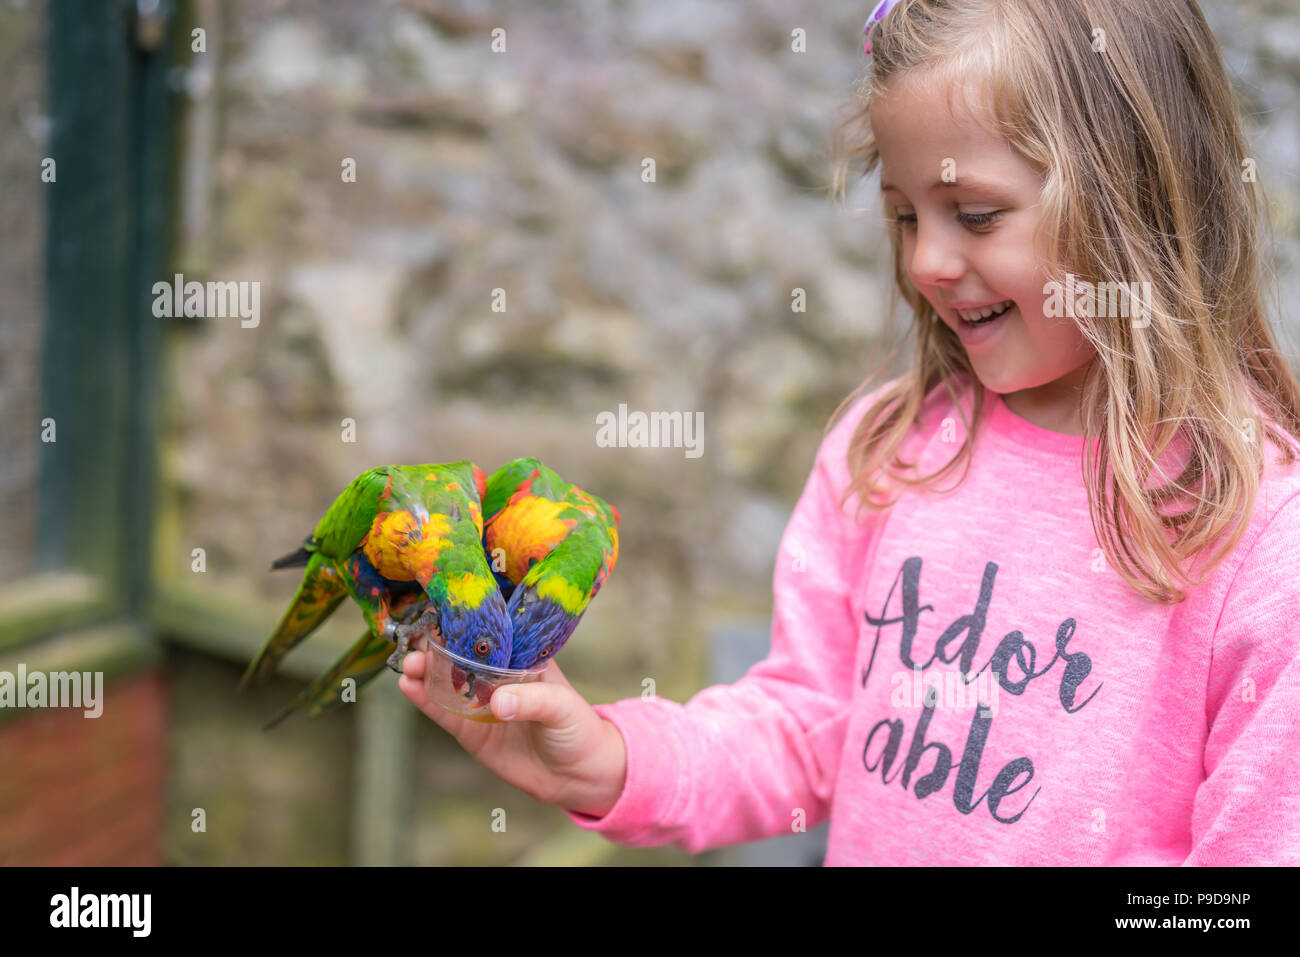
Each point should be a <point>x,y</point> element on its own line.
<point>979,317</point>
<point>990,320</point>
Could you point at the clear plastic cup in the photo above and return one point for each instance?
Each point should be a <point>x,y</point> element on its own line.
<point>465,687</point>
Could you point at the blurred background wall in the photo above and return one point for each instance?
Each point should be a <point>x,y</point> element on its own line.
<point>459,257</point>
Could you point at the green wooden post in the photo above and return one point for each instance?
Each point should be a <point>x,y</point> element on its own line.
<point>384,781</point>
<point>156,148</point>
<point>109,108</point>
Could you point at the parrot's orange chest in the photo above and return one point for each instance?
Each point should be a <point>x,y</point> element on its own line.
<point>405,547</point>
<point>527,532</point>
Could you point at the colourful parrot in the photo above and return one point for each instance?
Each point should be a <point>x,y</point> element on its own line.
<point>551,546</point>
<point>405,542</point>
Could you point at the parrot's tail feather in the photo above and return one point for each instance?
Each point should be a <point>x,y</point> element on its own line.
<point>361,663</point>
<point>298,559</point>
<point>320,592</point>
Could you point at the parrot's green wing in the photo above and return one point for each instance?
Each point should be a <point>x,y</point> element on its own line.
<point>327,579</point>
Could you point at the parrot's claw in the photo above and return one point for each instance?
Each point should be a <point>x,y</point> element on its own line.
<point>403,633</point>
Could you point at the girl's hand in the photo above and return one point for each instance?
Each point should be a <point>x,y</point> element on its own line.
<point>550,744</point>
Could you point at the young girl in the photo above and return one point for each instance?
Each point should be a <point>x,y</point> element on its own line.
<point>1038,602</point>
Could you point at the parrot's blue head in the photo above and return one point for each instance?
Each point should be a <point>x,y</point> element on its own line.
<point>539,626</point>
<point>481,634</point>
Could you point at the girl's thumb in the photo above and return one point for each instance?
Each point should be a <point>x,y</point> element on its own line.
<point>554,705</point>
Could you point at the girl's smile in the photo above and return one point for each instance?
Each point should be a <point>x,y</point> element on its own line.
<point>975,332</point>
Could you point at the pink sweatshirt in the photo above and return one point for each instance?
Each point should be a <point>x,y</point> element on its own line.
<point>1097,727</point>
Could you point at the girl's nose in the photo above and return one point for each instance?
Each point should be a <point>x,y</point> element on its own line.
<point>936,259</point>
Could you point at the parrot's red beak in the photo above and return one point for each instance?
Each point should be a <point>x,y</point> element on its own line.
<point>474,686</point>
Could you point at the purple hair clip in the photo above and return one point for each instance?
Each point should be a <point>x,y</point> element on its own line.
<point>878,14</point>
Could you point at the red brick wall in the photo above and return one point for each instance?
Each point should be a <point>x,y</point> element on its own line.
<point>86,791</point>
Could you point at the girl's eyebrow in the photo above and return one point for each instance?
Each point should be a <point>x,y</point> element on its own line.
<point>968,184</point>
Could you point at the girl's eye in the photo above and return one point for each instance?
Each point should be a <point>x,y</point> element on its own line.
<point>974,220</point>
<point>978,219</point>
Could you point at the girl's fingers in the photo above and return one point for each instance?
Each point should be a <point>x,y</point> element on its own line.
<point>413,665</point>
<point>552,701</point>
<point>553,704</point>
<point>413,689</point>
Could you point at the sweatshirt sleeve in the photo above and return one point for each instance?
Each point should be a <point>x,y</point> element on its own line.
<point>1247,810</point>
<point>757,758</point>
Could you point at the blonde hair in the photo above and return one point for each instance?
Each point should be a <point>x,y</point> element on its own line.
<point>1142,152</point>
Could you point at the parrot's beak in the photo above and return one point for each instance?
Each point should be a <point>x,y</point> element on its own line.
<point>476,689</point>
<point>464,679</point>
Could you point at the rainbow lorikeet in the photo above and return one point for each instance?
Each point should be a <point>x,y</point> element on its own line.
<point>405,542</point>
<point>552,546</point>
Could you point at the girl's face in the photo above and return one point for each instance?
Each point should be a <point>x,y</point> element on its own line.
<point>968,206</point>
